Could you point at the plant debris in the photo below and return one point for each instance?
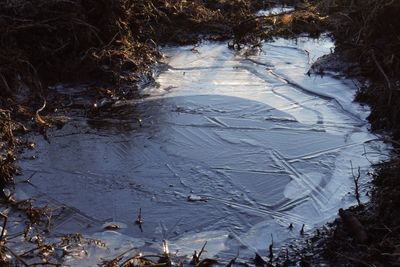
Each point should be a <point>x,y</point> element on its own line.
<point>367,38</point>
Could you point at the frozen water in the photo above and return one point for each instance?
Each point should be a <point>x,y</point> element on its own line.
<point>234,147</point>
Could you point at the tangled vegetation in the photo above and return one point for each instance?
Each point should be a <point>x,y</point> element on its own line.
<point>367,33</point>
<point>48,41</point>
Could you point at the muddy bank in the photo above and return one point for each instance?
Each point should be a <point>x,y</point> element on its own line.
<point>366,34</point>
<point>51,41</point>
<point>47,41</point>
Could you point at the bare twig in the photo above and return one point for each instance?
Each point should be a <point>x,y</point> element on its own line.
<point>232,261</point>
<point>17,257</point>
<point>356,179</point>
<point>302,229</point>
<point>7,87</point>
<point>380,68</point>
<point>5,219</point>
<point>270,248</point>
<point>202,249</point>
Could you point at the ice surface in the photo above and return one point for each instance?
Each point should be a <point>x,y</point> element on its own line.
<point>258,142</point>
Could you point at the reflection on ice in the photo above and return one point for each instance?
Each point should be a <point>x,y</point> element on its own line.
<point>274,11</point>
<point>258,141</point>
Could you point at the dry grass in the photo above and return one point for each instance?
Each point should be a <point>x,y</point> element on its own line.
<point>368,33</point>
<point>371,29</point>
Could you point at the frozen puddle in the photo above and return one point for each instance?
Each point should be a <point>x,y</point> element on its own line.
<point>233,148</point>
